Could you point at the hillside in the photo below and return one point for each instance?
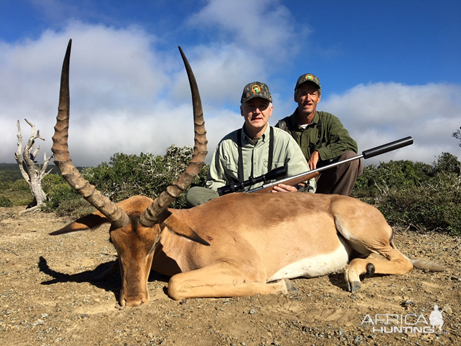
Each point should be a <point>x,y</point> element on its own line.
<point>10,171</point>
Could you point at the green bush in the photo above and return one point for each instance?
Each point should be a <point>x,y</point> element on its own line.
<point>415,195</point>
<point>447,163</point>
<point>149,175</point>
<point>17,192</point>
<point>5,202</point>
<point>124,176</point>
<point>58,192</point>
<point>20,185</point>
<point>435,205</point>
<point>391,176</point>
<point>74,208</point>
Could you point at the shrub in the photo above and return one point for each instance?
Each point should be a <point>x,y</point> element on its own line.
<point>391,176</point>
<point>5,202</point>
<point>415,195</point>
<point>147,174</point>
<point>20,185</point>
<point>58,191</point>
<point>75,208</point>
<point>447,163</point>
<point>435,205</point>
<point>17,192</point>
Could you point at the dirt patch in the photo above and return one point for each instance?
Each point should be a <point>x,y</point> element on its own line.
<point>48,296</point>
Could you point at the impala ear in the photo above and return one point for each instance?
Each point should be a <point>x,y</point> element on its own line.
<point>180,228</point>
<point>83,224</point>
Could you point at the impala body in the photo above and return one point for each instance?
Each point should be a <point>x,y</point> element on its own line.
<point>236,245</point>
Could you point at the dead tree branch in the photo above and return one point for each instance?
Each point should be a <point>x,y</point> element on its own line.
<point>25,158</point>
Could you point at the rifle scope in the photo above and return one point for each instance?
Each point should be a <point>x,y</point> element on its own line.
<point>240,186</point>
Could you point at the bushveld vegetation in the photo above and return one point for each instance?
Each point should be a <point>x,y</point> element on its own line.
<point>413,195</point>
<point>123,176</point>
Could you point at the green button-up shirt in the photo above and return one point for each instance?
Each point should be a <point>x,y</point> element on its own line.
<point>224,164</point>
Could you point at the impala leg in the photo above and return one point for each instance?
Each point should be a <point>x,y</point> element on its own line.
<point>368,233</point>
<point>391,262</point>
<point>219,281</point>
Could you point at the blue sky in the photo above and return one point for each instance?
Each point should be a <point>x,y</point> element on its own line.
<point>389,69</point>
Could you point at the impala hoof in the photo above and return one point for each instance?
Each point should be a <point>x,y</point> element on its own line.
<point>355,286</point>
<point>290,286</point>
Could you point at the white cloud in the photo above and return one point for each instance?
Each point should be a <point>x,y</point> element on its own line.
<point>379,113</point>
<point>258,26</point>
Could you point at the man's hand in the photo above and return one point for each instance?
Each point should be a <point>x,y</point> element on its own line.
<point>284,188</point>
<point>313,160</point>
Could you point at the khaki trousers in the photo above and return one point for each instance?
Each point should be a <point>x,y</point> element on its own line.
<point>340,179</point>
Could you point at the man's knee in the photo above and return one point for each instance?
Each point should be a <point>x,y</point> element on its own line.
<point>198,195</point>
<point>355,165</point>
<point>347,155</point>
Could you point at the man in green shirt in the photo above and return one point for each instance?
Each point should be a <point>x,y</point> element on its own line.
<point>253,150</point>
<point>322,139</point>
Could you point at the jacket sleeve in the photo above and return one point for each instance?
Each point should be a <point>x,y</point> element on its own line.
<point>338,139</point>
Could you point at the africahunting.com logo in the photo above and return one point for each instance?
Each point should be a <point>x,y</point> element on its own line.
<point>409,323</point>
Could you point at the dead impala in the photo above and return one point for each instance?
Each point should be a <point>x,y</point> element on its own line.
<point>236,245</point>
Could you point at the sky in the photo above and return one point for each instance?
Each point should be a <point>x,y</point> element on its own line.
<point>388,69</point>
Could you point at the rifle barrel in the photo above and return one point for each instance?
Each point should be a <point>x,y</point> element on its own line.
<point>366,154</point>
<point>403,142</point>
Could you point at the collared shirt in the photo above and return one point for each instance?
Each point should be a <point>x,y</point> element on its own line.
<point>330,138</point>
<point>224,164</point>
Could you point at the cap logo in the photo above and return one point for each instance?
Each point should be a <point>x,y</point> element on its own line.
<point>309,76</point>
<point>256,89</point>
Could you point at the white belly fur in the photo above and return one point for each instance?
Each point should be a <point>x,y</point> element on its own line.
<point>316,265</point>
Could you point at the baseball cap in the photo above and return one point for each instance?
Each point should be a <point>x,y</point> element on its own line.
<point>255,89</point>
<point>308,77</point>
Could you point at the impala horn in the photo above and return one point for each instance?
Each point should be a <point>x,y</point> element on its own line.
<point>151,214</point>
<point>109,209</point>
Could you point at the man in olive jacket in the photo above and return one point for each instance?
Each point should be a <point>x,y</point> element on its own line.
<point>322,138</point>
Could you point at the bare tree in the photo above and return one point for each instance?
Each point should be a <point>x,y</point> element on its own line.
<point>32,173</point>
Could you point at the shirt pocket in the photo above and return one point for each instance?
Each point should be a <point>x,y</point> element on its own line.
<point>232,170</point>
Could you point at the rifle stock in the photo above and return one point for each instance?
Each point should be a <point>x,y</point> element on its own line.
<point>366,154</point>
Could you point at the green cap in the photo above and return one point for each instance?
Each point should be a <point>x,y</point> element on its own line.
<point>308,77</point>
<point>256,89</point>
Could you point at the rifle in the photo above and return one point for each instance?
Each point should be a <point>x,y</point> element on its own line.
<point>302,177</point>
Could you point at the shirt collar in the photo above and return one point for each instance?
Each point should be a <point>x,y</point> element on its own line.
<point>294,121</point>
<point>263,138</point>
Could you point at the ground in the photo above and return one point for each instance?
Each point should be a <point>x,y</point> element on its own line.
<point>48,296</point>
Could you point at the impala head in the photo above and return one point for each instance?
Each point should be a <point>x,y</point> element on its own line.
<point>136,223</point>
